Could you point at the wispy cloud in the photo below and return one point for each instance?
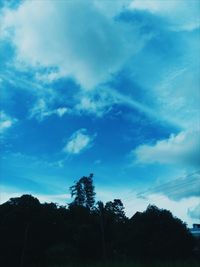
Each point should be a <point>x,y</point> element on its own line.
<point>40,110</point>
<point>176,189</point>
<point>97,102</point>
<point>6,122</point>
<point>180,14</point>
<point>151,112</point>
<point>78,142</point>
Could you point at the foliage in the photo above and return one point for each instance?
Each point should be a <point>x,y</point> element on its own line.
<point>157,234</point>
<point>48,234</point>
<point>83,192</point>
<point>116,209</point>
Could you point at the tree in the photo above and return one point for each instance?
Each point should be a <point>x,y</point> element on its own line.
<point>116,209</point>
<point>89,191</point>
<point>100,211</point>
<point>77,191</point>
<point>157,234</point>
<point>48,234</point>
<point>83,192</point>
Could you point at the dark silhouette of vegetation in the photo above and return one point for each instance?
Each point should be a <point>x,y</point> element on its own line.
<point>83,192</point>
<point>48,234</point>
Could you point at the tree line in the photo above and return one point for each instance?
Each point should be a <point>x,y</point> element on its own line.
<point>87,231</point>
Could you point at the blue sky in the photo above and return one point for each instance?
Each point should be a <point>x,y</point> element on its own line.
<point>104,87</point>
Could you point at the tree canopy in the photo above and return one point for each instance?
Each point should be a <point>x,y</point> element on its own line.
<point>83,192</point>
<point>47,234</point>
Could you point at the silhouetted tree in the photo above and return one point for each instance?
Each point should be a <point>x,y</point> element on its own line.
<point>89,191</point>
<point>35,234</point>
<point>83,192</point>
<point>155,233</point>
<point>100,209</point>
<point>78,192</point>
<point>114,220</point>
<point>116,209</point>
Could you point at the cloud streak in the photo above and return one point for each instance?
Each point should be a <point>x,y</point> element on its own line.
<point>41,111</point>
<point>177,189</point>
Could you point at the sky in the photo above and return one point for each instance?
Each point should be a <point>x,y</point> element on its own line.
<point>104,87</point>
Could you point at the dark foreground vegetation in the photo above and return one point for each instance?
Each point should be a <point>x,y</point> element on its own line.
<point>92,234</point>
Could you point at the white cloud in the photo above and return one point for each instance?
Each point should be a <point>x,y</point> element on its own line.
<point>5,122</point>
<point>90,52</point>
<point>194,212</point>
<point>183,148</point>
<point>79,141</point>
<point>75,37</point>
<point>177,92</point>
<point>41,110</point>
<point>181,14</point>
<point>61,111</point>
<point>98,102</point>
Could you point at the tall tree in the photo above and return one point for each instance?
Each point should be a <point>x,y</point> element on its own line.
<point>77,191</point>
<point>89,191</point>
<point>83,192</point>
